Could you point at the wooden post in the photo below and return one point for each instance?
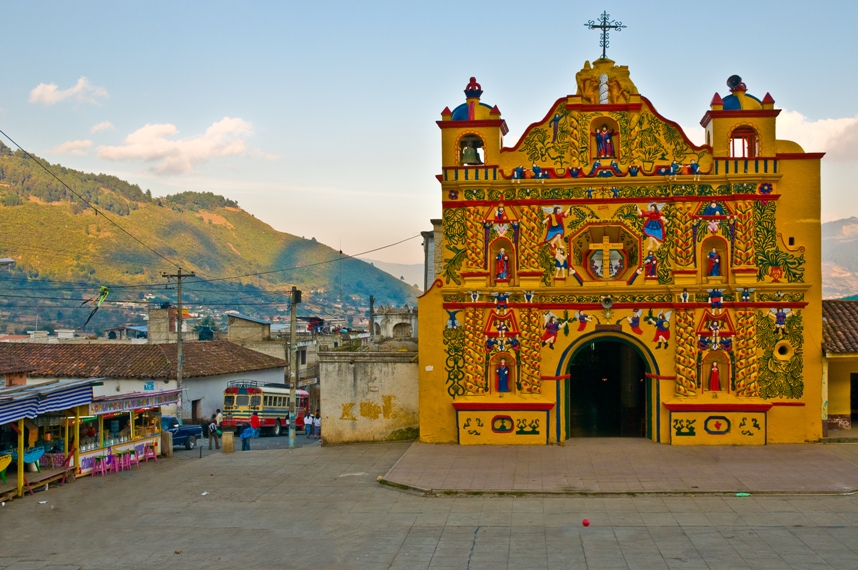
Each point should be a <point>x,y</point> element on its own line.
<point>77,440</point>
<point>21,457</point>
<point>131,431</point>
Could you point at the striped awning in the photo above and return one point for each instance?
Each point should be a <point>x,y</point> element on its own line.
<point>17,402</point>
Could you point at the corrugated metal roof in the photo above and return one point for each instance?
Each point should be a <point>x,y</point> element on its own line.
<point>248,318</point>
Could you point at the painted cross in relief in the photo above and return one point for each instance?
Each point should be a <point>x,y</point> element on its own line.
<point>605,247</point>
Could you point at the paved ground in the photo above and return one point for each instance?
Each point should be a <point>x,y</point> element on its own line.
<point>631,465</point>
<point>321,507</point>
<point>202,447</point>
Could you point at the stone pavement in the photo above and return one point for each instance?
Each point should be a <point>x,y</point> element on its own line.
<point>321,507</point>
<point>627,465</point>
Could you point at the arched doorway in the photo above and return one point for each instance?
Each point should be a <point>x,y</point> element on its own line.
<point>607,390</point>
<point>402,330</point>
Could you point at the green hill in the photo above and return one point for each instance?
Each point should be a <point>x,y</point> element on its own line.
<point>54,238</point>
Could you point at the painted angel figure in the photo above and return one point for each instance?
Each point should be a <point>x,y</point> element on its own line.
<point>653,228</point>
<point>561,264</point>
<point>635,321</point>
<point>452,321</point>
<point>554,223</point>
<point>661,322</point>
<point>552,328</point>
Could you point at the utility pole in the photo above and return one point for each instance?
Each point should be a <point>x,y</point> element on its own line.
<point>371,318</point>
<point>179,340</point>
<point>293,363</point>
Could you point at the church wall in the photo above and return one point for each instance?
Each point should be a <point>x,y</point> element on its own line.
<point>610,236</point>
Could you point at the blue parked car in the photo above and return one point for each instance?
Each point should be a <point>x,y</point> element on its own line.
<point>186,434</point>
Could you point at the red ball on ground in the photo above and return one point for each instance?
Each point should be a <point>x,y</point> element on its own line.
<point>585,522</point>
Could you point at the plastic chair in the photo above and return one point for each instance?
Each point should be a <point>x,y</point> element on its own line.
<point>99,465</point>
<point>115,463</point>
<point>133,458</point>
<point>150,453</point>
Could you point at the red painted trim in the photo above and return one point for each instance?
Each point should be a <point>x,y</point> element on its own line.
<point>617,306</point>
<point>717,407</point>
<point>439,178</point>
<point>502,407</point>
<point>707,118</point>
<point>474,273</point>
<point>530,273</point>
<point>436,283</point>
<point>657,377</point>
<point>800,156</point>
<point>474,124</point>
<point>589,107</point>
<point>788,403</point>
<point>597,201</point>
<point>564,377</point>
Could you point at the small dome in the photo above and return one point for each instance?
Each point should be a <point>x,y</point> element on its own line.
<point>743,102</point>
<point>460,113</point>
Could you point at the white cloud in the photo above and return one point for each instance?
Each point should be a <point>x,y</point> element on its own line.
<point>151,144</point>
<point>72,147</point>
<point>102,126</point>
<point>83,91</point>
<point>836,137</point>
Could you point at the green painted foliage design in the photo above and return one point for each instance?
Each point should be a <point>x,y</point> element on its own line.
<point>780,378</point>
<point>454,343</point>
<point>455,242</point>
<point>769,255</point>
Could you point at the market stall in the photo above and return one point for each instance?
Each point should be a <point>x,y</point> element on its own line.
<point>26,437</point>
<point>125,422</point>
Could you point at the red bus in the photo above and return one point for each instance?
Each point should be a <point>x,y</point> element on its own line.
<point>270,401</point>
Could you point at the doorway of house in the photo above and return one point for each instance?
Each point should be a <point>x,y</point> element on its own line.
<point>853,379</point>
<point>607,391</point>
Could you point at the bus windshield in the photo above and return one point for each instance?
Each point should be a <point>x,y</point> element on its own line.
<point>228,400</point>
<point>242,400</point>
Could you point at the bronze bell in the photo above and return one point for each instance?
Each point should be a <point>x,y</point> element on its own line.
<point>470,156</point>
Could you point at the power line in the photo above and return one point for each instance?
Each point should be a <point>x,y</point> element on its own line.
<point>85,201</point>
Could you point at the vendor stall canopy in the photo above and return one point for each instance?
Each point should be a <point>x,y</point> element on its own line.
<point>17,402</point>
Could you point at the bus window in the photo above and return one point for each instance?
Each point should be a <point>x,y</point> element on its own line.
<point>228,401</point>
<point>241,401</point>
<point>279,402</point>
<point>255,400</point>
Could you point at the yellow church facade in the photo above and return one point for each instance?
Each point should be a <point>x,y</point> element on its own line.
<point>604,276</point>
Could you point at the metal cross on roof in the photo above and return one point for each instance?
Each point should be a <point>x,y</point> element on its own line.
<point>605,24</point>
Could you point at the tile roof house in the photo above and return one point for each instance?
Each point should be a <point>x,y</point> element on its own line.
<point>132,368</point>
<point>840,364</point>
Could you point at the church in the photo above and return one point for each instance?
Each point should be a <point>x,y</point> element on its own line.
<point>604,276</point>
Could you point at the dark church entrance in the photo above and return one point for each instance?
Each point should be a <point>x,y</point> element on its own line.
<point>607,391</point>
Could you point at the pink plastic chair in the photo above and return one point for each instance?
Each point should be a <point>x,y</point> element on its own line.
<point>132,459</point>
<point>99,465</point>
<point>115,463</point>
<point>150,453</point>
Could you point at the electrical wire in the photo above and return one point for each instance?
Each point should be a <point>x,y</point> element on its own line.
<point>85,201</point>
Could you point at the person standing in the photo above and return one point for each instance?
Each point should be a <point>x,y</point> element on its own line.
<point>308,424</point>
<point>317,425</point>
<point>245,436</point>
<point>254,423</point>
<point>219,418</point>
<point>213,427</point>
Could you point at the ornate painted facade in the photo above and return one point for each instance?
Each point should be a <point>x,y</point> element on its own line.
<point>604,242</point>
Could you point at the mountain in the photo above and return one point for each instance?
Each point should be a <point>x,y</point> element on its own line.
<point>409,272</point>
<point>840,258</point>
<point>62,247</point>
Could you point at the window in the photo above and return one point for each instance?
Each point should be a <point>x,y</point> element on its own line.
<point>402,330</point>
<point>228,401</point>
<point>242,400</point>
<point>255,400</point>
<point>303,355</point>
<point>743,143</point>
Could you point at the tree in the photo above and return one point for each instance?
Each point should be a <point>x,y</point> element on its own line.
<point>207,321</point>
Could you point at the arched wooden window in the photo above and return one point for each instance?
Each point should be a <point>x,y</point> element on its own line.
<point>744,143</point>
<point>402,330</point>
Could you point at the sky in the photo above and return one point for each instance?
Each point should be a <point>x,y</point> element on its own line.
<point>319,117</point>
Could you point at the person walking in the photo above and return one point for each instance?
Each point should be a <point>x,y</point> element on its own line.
<point>317,425</point>
<point>254,423</point>
<point>213,429</point>
<point>245,436</point>
<point>308,424</point>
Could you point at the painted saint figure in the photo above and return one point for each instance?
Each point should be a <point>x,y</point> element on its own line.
<point>605,141</point>
<point>715,297</point>
<point>780,321</point>
<point>554,222</point>
<point>653,228</point>
<point>650,265</point>
<point>502,266</point>
<point>714,378</point>
<point>500,215</point>
<point>713,268</point>
<point>502,376</point>
<point>552,328</point>
<point>583,319</point>
<point>555,125</point>
<point>635,321</point>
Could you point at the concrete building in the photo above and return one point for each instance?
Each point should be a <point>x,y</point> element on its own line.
<point>840,367</point>
<point>370,395</point>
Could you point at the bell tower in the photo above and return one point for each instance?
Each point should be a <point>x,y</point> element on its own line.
<point>471,136</point>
